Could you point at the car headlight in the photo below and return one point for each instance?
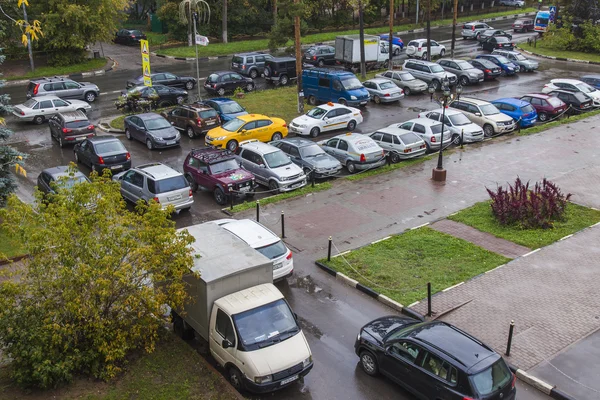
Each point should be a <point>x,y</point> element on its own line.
<point>352,97</point>
<point>301,126</point>
<point>177,136</point>
<point>220,138</point>
<point>358,337</point>
<point>263,379</point>
<point>307,362</point>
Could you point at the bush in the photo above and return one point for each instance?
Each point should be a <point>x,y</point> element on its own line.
<point>66,57</point>
<point>530,208</point>
<point>169,14</point>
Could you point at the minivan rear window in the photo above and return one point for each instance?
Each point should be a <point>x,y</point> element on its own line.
<point>169,184</point>
<point>491,379</point>
<point>237,59</point>
<point>77,124</point>
<point>273,250</point>
<point>208,114</point>
<point>409,138</point>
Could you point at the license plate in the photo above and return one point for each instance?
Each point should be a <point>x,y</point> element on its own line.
<point>296,185</point>
<point>362,103</point>
<point>173,198</point>
<point>234,65</point>
<point>277,265</point>
<point>245,189</point>
<point>288,380</point>
<point>170,142</point>
<point>210,122</point>
<point>115,166</point>
<point>480,79</point>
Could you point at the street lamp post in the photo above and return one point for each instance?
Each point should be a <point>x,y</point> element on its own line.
<point>439,173</point>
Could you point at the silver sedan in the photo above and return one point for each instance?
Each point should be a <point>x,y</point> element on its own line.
<point>40,109</point>
<point>399,143</point>
<point>383,90</point>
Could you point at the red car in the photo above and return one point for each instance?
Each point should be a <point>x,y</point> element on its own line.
<point>547,107</point>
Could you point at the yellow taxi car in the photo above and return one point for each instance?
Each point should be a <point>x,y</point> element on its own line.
<point>246,127</point>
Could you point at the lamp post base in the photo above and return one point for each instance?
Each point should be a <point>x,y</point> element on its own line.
<point>438,175</point>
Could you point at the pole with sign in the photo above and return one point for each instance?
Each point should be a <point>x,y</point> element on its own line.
<point>146,62</point>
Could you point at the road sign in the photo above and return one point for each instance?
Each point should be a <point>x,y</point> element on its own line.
<point>146,62</point>
<point>201,40</point>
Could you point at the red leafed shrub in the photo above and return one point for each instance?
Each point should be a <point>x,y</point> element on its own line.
<point>536,207</point>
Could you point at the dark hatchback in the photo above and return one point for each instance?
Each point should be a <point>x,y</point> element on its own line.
<point>129,36</point>
<point>578,101</point>
<point>103,152</point>
<point>53,179</point>
<point>319,55</point>
<point>222,82</point>
<point>165,78</point>
<point>546,106</point>
<point>497,43</point>
<point>434,360</point>
<point>490,70</point>
<point>167,96</point>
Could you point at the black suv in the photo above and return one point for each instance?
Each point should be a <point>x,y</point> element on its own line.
<point>280,70</point>
<point>70,127</point>
<point>433,360</point>
<point>320,55</point>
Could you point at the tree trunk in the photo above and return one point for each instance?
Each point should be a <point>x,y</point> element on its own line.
<point>428,30</point>
<point>274,12</point>
<point>363,67</point>
<point>298,49</point>
<point>454,11</point>
<point>224,29</point>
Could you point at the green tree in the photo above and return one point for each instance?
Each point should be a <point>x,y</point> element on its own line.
<point>94,286</point>
<point>283,30</point>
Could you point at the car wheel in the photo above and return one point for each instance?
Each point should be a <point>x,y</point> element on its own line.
<point>343,102</point>
<point>190,132</point>
<point>368,363</point>
<point>273,187</point>
<point>180,99</point>
<point>90,97</point>
<point>314,132</point>
<point>394,157</point>
<point>464,38</point>
<point>456,140</point>
<point>543,117</point>
<point>284,80</point>
<point>189,85</point>
<point>192,183</point>
<point>219,196</point>
<point>254,74</point>
<point>149,144</point>
<point>521,68</point>
<point>436,84</point>
<point>164,104</point>
<point>221,91</point>
<point>377,99</point>
<point>442,53</point>
<point>488,130</point>
<point>502,72</point>
<point>396,52</point>
<point>127,134</point>
<point>235,378</point>
<point>232,145</point>
<point>312,100</point>
<point>464,81</point>
<point>351,125</point>
<point>277,136</point>
<point>351,167</point>
<point>249,87</point>
<point>406,91</point>
<point>424,56</point>
<point>321,63</point>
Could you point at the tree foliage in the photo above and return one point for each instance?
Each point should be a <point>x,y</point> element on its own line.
<point>283,30</point>
<point>89,293</point>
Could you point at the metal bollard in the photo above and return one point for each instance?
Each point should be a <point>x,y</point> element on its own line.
<point>510,335</point>
<point>462,138</point>
<point>282,225</point>
<point>231,201</point>
<point>312,177</point>
<point>388,159</point>
<point>257,211</point>
<point>429,299</point>
<point>329,250</point>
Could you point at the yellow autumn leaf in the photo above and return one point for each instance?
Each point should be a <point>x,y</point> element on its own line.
<point>24,39</point>
<point>20,2</point>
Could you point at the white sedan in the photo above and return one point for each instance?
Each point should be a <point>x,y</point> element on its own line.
<point>573,85</point>
<point>39,109</point>
<point>326,117</point>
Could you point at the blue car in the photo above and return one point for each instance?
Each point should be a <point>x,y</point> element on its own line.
<point>506,66</point>
<point>395,40</point>
<point>226,108</point>
<point>592,80</point>
<point>519,110</point>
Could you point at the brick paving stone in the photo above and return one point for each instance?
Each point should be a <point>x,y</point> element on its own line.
<point>481,239</point>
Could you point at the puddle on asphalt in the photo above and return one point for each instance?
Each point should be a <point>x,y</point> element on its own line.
<point>306,283</point>
<point>416,109</point>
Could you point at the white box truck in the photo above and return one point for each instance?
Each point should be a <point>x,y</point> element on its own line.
<point>250,328</point>
<point>347,52</point>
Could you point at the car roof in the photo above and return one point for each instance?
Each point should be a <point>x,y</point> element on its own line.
<point>566,80</point>
<point>52,79</point>
<point>474,100</point>
<point>249,299</point>
<point>538,95</point>
<point>211,155</point>
<point>332,106</point>
<point>498,51</point>
<point>251,232</point>
<point>157,171</point>
<point>378,80</point>
<point>512,101</point>
<point>252,117</point>
<point>475,23</point>
<point>47,97</point>
<point>329,71</point>
<point>196,107</point>
<point>449,111</point>
<point>223,72</point>
<point>279,59</point>
<point>263,148</point>
<point>424,62</point>
<point>297,141</point>
<point>221,100</point>
<point>104,138</point>
<point>73,116</point>
<point>251,53</point>
<point>351,136</point>
<point>489,55</point>
<point>147,116</point>
<point>595,76</point>
<point>394,130</point>
<point>424,121</point>
<point>62,170</point>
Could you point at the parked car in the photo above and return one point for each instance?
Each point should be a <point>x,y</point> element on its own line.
<point>578,101</point>
<point>326,117</point>
<point>592,80</point>
<point>64,88</point>
<point>499,42</point>
<point>490,33</point>
<point>383,90</point>
<point>433,360</point>
<point>167,96</point>
<point>418,49</point>
<point>51,180</point>
<point>524,63</point>
<point>280,70</point>
<point>466,73</point>
<point>271,167</point>
<point>428,130</point>
<point>386,45</point>
<point>129,36</point>
<point>461,127</point>
<point>309,156</point>
<point>399,144</point>
<point>320,55</point>
<point>217,171</point>
<point>512,3</point>
<point>546,106</point>
<point>507,68</point>
<point>246,127</point>
<point>39,109</point>
<point>405,81</point>
<point>355,151</point>
<point>490,70</point>
<point>520,110</point>
<point>156,182</point>
<point>250,64</point>
<point>471,30</point>
<point>152,129</point>
<point>222,82</point>
<point>484,114</point>
<point>265,242</point>
<point>103,152</point>
<point>336,86</point>
<point>194,120</point>
<point>166,79</point>
<point>396,41</point>
<point>523,25</point>
<point>70,127</point>
<point>573,85</point>
<point>226,108</point>
<point>429,72</point>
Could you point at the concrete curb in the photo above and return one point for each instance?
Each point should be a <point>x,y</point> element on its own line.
<point>573,60</point>
<point>540,385</point>
<point>13,259</point>
<point>105,127</point>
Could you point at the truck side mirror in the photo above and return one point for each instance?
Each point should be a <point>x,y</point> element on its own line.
<point>226,344</point>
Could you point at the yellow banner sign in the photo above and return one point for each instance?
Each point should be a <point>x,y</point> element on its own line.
<point>146,62</point>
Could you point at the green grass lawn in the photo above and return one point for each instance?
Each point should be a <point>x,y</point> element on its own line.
<point>319,187</point>
<point>174,371</point>
<point>559,122</point>
<point>401,266</point>
<point>118,123</point>
<point>156,39</point>
<point>279,102</point>
<point>576,55</point>
<point>218,49</point>
<point>480,217</point>
<point>8,247</point>
<point>92,64</point>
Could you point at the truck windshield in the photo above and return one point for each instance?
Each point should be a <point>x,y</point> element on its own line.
<point>265,325</point>
<point>351,83</point>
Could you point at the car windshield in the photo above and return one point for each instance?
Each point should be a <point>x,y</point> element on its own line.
<point>555,101</point>
<point>134,89</point>
<point>351,83</point>
<point>273,250</point>
<point>489,109</point>
<point>224,166</point>
<point>520,57</point>
<point>388,85</point>
<point>231,108</point>
<point>491,379</point>
<point>436,68</point>
<point>77,124</point>
<point>266,325</point>
<point>110,147</point>
<point>409,138</point>
<point>233,125</point>
<point>156,124</point>
<point>136,33</point>
<point>585,88</point>
<point>316,113</point>
<point>464,65</point>
<point>311,151</point>
<point>170,184</point>
<point>30,103</point>
<point>407,76</point>
<point>277,159</point>
<point>459,120</point>
<point>527,109</point>
<point>503,59</point>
